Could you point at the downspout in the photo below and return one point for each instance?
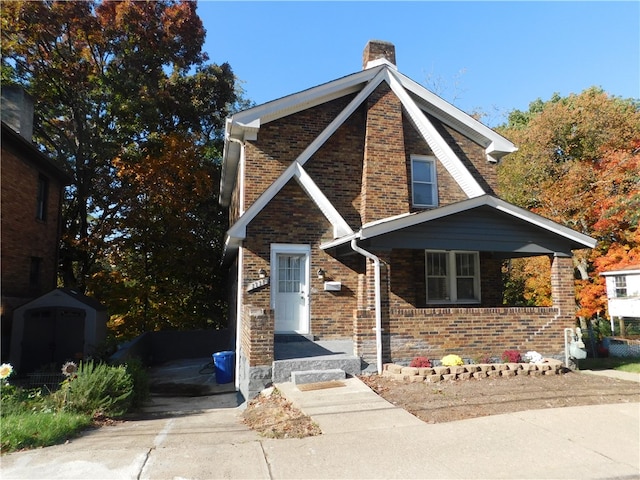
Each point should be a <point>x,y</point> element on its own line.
<point>378,307</point>
<point>239,300</point>
<point>239,289</point>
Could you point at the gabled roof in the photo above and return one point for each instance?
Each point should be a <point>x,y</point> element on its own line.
<point>629,270</point>
<point>475,223</point>
<point>415,99</point>
<point>238,231</point>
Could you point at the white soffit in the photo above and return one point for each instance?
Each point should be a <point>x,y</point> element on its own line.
<point>267,112</point>
<point>495,144</point>
<point>438,145</point>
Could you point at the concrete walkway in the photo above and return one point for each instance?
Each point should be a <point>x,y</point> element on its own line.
<point>364,436</point>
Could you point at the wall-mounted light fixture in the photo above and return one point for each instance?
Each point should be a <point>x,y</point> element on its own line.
<point>262,273</point>
<point>321,273</point>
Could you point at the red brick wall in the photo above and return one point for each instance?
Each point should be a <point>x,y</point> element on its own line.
<point>23,236</point>
<point>331,312</point>
<point>468,332</point>
<point>384,173</point>
<point>257,335</point>
<point>280,142</point>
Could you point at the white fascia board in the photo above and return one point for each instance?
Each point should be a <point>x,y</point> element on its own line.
<point>542,222</point>
<point>438,145</point>
<point>621,272</point>
<point>495,144</point>
<point>339,241</point>
<point>400,222</point>
<point>340,226</point>
<point>305,99</point>
<point>380,61</point>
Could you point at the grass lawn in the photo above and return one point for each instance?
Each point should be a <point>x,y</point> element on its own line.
<point>40,429</point>
<point>628,364</point>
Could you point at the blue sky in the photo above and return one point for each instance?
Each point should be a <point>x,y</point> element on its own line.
<point>487,56</point>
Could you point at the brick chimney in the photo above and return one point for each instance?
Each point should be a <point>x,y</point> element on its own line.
<point>17,110</point>
<point>377,49</point>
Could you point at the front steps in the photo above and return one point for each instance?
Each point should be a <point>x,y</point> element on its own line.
<point>347,364</point>
<point>315,376</point>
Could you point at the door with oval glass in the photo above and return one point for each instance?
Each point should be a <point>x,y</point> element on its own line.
<point>289,288</point>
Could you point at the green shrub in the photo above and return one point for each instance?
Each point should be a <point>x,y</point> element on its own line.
<point>140,378</point>
<point>97,389</point>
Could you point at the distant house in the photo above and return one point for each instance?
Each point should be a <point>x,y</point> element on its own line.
<point>32,188</point>
<point>364,210</point>
<point>623,292</point>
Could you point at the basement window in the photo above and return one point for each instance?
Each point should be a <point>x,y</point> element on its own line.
<point>452,276</point>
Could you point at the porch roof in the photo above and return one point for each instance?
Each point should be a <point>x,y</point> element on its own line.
<point>483,223</point>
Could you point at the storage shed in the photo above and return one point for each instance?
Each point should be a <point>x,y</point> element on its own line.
<point>59,326</point>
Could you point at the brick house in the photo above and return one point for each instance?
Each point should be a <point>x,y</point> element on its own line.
<point>32,187</point>
<point>364,210</point>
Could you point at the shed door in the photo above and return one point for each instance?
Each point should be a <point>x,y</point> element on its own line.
<point>290,293</point>
<point>51,337</point>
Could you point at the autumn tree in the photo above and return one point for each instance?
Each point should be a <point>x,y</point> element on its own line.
<point>577,164</point>
<point>122,92</point>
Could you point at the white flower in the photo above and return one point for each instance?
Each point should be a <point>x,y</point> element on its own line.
<point>6,369</point>
<point>533,357</point>
<point>69,369</point>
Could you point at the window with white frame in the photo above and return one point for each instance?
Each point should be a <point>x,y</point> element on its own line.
<point>621,286</point>
<point>424,185</point>
<point>452,276</point>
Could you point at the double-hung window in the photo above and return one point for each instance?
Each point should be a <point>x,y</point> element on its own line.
<point>452,276</point>
<point>621,286</point>
<point>424,185</point>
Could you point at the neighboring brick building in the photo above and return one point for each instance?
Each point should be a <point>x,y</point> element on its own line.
<point>31,199</point>
<point>365,209</point>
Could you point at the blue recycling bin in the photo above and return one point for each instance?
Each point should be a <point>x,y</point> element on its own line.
<point>224,362</point>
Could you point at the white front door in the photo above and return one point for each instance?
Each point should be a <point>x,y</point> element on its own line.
<point>289,287</point>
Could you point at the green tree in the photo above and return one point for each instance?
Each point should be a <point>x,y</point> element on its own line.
<point>118,84</point>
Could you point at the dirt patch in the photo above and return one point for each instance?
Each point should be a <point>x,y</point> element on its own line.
<point>273,416</point>
<point>448,401</point>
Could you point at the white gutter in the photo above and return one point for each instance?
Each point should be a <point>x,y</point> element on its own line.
<point>241,173</point>
<point>378,329</point>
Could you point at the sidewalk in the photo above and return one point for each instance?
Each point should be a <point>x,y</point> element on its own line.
<point>364,436</point>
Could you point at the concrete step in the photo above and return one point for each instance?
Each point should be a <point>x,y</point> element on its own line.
<point>282,369</point>
<point>313,376</point>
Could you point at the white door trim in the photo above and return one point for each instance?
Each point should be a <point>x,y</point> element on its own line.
<point>292,248</point>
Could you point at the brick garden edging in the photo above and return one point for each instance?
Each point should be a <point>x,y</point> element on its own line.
<point>466,372</point>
